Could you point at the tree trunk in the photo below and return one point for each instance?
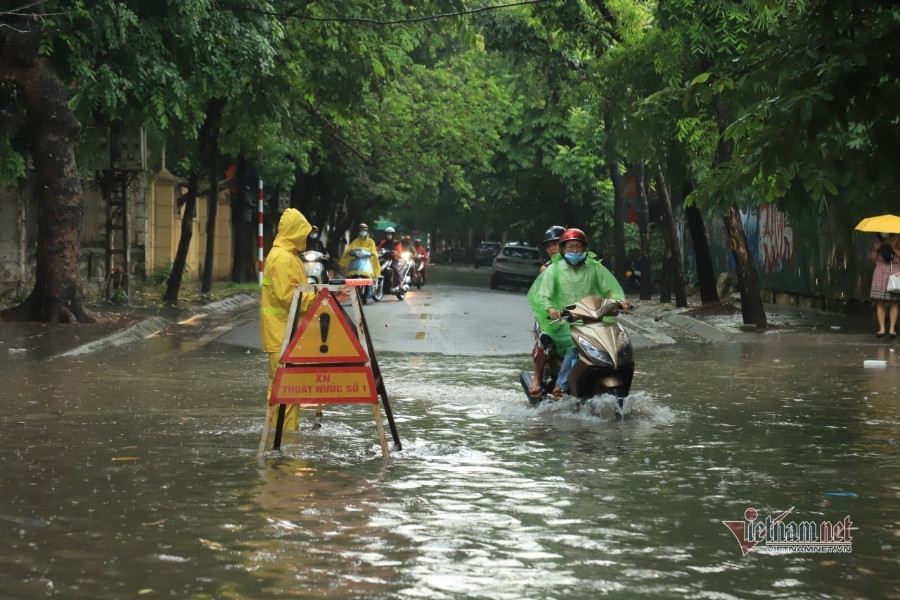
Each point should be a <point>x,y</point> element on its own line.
<point>644,231</point>
<point>184,241</point>
<point>240,265</point>
<point>52,130</point>
<point>619,209</point>
<point>675,266</point>
<point>752,309</point>
<point>209,138</point>
<point>706,277</point>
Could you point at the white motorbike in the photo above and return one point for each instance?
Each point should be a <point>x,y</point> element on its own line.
<point>404,266</point>
<point>314,262</point>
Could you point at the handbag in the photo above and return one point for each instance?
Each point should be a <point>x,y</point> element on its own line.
<point>893,284</point>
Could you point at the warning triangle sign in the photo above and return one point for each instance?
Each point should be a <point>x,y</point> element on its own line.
<point>324,336</point>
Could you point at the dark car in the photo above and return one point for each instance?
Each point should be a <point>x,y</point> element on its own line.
<point>516,264</point>
<point>485,253</point>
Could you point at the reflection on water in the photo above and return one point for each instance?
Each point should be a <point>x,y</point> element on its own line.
<point>134,474</point>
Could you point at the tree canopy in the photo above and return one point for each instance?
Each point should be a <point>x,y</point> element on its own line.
<point>487,118</point>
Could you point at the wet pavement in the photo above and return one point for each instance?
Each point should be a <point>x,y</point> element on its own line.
<point>651,323</point>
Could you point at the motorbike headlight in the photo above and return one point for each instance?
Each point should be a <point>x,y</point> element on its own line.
<point>600,356</point>
<point>405,256</point>
<point>308,256</point>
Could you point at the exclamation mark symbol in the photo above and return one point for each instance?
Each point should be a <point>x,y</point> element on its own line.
<point>324,321</point>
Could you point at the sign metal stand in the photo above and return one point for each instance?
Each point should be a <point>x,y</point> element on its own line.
<point>324,362</point>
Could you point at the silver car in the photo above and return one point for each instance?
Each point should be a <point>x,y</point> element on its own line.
<point>515,264</point>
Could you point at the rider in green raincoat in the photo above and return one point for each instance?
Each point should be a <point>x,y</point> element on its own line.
<point>574,276</point>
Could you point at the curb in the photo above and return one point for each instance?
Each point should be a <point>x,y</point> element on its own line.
<point>145,328</point>
<point>134,332</point>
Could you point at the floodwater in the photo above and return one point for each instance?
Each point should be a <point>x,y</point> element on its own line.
<point>134,474</point>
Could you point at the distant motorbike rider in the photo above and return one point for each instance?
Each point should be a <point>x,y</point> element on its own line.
<point>362,241</point>
<point>551,244</point>
<point>314,242</point>
<point>569,279</point>
<point>396,248</point>
<point>543,344</point>
<point>422,255</point>
<point>406,245</point>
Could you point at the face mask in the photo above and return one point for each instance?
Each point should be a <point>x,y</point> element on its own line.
<point>575,258</point>
<point>314,236</point>
<point>363,234</point>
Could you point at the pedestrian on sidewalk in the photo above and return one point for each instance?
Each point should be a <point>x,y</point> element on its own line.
<point>886,256</point>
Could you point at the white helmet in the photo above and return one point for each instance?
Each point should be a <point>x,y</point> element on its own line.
<point>389,230</point>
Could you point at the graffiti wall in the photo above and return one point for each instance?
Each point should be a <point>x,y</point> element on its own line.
<point>817,254</point>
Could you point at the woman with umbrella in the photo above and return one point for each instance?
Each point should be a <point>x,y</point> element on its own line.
<point>886,256</point>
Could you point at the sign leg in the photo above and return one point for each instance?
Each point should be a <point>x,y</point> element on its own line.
<point>279,426</point>
<point>379,426</point>
<point>379,383</point>
<point>265,431</point>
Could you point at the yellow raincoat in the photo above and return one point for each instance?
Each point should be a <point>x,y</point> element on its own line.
<point>364,243</point>
<point>283,272</point>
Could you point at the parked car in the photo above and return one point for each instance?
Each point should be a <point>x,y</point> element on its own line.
<point>485,253</point>
<point>516,264</point>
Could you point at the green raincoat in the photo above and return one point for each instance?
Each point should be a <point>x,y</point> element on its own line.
<point>561,285</point>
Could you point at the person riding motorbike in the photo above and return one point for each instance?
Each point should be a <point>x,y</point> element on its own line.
<point>314,242</point>
<point>543,344</point>
<point>396,248</point>
<point>569,279</point>
<point>362,241</point>
<point>423,256</point>
<point>551,244</point>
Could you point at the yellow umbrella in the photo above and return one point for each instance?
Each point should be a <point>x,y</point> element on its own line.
<point>881,224</point>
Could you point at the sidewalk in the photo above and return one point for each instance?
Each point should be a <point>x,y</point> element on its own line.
<point>724,322</point>
<point>118,325</point>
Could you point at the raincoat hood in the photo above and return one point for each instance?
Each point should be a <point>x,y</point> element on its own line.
<point>292,231</point>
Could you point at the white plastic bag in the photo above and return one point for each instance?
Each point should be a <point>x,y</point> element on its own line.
<point>894,283</point>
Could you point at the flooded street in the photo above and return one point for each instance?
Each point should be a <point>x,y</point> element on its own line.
<point>133,473</point>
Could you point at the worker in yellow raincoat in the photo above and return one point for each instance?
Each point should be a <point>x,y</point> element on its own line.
<point>282,274</point>
<point>362,241</point>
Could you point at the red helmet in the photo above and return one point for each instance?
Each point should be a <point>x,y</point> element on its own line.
<point>573,234</point>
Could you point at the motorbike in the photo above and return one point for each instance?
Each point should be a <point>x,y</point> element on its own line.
<point>418,271</point>
<point>632,278</point>
<point>605,357</point>
<point>314,262</point>
<point>404,265</point>
<point>360,267</point>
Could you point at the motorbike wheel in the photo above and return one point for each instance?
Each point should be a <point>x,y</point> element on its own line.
<point>378,290</point>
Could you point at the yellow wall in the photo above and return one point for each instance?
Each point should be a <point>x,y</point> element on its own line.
<point>165,231</point>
